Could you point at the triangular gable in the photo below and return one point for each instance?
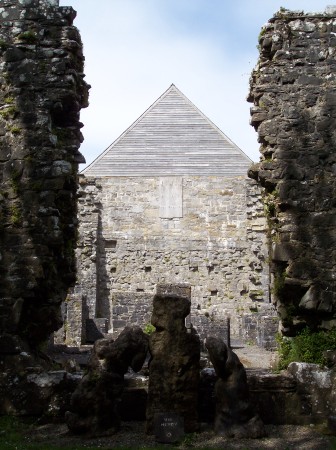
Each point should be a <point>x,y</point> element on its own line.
<point>173,137</point>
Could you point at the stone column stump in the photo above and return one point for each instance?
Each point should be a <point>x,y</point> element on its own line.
<point>175,353</point>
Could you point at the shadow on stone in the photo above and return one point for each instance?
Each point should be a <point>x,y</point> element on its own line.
<point>94,404</point>
<point>234,415</point>
<point>174,368</point>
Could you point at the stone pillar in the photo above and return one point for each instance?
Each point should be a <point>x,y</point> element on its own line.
<point>293,90</point>
<point>175,351</point>
<point>87,256</point>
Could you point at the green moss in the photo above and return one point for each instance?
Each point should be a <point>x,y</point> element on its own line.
<point>15,130</point>
<point>279,283</point>
<point>3,44</point>
<point>9,100</point>
<point>149,329</point>
<point>9,112</point>
<point>29,37</point>
<point>15,215</point>
<point>14,180</point>
<point>262,33</point>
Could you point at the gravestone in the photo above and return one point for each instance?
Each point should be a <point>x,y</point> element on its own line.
<point>175,353</point>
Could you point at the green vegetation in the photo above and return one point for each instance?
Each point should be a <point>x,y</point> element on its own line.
<point>29,37</point>
<point>307,346</point>
<point>9,100</point>
<point>16,434</point>
<point>8,112</point>
<point>149,329</point>
<point>15,129</point>
<point>15,216</point>
<point>278,283</point>
<point>3,44</point>
<point>262,33</point>
<point>15,180</point>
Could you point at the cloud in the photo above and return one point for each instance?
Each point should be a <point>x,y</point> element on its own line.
<point>136,48</point>
<point>136,61</point>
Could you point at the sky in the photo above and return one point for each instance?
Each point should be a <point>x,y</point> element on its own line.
<point>135,49</point>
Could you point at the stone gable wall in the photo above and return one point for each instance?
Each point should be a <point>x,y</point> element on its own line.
<point>293,91</point>
<point>218,246</point>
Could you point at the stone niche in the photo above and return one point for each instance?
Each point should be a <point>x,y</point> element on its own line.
<point>42,90</point>
<point>293,92</point>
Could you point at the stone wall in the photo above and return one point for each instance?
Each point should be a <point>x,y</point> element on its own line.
<point>127,245</point>
<point>41,93</point>
<point>294,112</point>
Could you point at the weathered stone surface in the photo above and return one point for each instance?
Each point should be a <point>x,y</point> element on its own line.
<point>175,353</point>
<point>234,415</point>
<point>38,223</point>
<point>125,248</point>
<point>293,91</point>
<point>94,404</point>
<point>42,90</point>
<point>29,389</point>
<point>318,387</point>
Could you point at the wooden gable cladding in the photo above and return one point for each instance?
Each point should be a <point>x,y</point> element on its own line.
<point>171,138</point>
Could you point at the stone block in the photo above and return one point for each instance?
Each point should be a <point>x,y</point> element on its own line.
<point>174,290</point>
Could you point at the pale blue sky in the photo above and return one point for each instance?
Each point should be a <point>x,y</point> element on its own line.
<point>135,49</point>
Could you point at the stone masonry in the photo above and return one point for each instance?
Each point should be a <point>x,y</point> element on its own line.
<point>170,202</point>
<point>293,91</point>
<point>42,91</point>
<point>125,249</point>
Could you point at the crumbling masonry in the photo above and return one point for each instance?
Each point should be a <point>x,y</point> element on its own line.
<point>41,93</point>
<point>293,88</point>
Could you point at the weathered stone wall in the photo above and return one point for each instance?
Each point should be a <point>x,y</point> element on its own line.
<point>41,93</point>
<point>218,246</point>
<point>294,112</point>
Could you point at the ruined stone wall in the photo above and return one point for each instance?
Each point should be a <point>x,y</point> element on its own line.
<point>41,93</point>
<point>294,112</point>
<point>218,246</point>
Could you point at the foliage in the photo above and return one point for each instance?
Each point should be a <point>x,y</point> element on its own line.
<point>307,346</point>
<point>149,329</point>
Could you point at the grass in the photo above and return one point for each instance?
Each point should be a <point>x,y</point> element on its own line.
<point>15,432</point>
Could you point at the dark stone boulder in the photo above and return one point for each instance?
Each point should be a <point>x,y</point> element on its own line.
<point>234,415</point>
<point>94,404</point>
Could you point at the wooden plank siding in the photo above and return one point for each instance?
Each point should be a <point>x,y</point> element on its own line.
<point>171,138</point>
